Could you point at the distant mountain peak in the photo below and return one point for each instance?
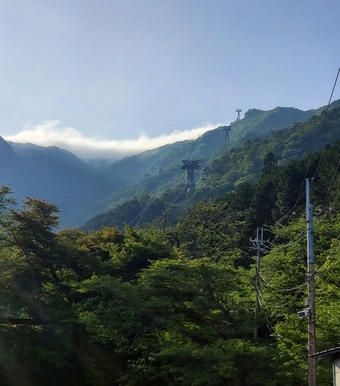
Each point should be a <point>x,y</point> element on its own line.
<point>252,113</point>
<point>5,149</point>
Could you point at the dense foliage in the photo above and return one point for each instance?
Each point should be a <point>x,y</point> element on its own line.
<point>173,303</point>
<point>229,168</point>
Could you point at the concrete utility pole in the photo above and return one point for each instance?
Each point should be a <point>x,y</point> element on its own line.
<point>311,290</point>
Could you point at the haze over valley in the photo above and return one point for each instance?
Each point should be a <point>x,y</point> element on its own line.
<point>51,133</point>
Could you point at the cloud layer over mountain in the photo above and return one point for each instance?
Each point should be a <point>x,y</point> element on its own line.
<point>50,133</point>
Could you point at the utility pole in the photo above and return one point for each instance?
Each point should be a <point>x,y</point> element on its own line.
<point>258,245</point>
<point>311,289</point>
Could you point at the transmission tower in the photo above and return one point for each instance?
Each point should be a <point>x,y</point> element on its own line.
<point>239,111</point>
<point>190,165</point>
<point>227,130</point>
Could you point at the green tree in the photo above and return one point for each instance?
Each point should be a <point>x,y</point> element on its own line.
<point>182,322</point>
<point>269,164</point>
<point>210,230</point>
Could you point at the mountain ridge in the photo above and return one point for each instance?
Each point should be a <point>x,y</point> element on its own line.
<point>83,189</point>
<point>235,167</point>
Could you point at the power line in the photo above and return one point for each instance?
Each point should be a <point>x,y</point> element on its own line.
<point>175,199</point>
<point>324,119</point>
<point>332,181</point>
<point>283,289</point>
<point>319,134</point>
<point>268,323</point>
<point>140,213</point>
<point>298,238</point>
<point>170,206</point>
<point>301,194</point>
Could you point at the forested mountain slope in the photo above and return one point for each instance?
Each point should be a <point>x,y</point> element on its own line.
<point>153,172</point>
<point>85,188</point>
<point>55,175</point>
<point>174,306</point>
<point>220,175</point>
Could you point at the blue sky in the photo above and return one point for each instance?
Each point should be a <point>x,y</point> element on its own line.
<point>103,76</point>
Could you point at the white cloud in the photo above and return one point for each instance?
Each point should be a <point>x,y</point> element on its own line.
<point>49,133</point>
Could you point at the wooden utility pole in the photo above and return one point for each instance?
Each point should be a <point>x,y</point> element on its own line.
<point>311,290</point>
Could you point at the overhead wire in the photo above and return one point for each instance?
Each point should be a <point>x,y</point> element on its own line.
<point>292,297</point>
<point>141,212</point>
<point>175,199</point>
<point>298,288</point>
<point>289,213</point>
<point>268,323</point>
<point>301,192</point>
<point>299,197</point>
<point>319,133</point>
<point>130,223</point>
<point>318,221</point>
<point>170,206</point>
<point>329,210</point>
<point>332,181</point>
<point>282,289</point>
<point>298,238</point>
<point>325,116</point>
<point>334,258</point>
<point>302,235</point>
<point>213,145</point>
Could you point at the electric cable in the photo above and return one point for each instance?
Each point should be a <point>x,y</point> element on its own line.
<point>288,302</point>
<point>332,181</point>
<point>170,206</point>
<point>302,234</point>
<point>176,198</point>
<point>298,238</point>
<point>282,289</point>
<point>324,216</point>
<point>268,323</point>
<point>213,145</point>
<point>324,119</point>
<point>301,194</point>
<point>319,133</point>
<point>334,258</point>
<point>140,213</point>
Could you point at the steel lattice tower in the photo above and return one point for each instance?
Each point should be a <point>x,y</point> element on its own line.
<point>227,130</point>
<point>239,111</point>
<point>191,166</point>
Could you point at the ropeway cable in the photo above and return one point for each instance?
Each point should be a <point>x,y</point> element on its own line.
<point>176,198</point>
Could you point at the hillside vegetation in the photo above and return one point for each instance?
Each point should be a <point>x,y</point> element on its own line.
<point>174,305</point>
<point>85,188</point>
<point>155,197</point>
<point>172,302</point>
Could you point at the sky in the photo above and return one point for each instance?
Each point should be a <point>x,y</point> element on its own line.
<point>116,77</point>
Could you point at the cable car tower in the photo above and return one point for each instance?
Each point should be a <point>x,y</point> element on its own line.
<point>239,111</point>
<point>227,130</point>
<point>191,166</point>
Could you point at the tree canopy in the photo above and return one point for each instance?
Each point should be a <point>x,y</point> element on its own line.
<point>172,304</point>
